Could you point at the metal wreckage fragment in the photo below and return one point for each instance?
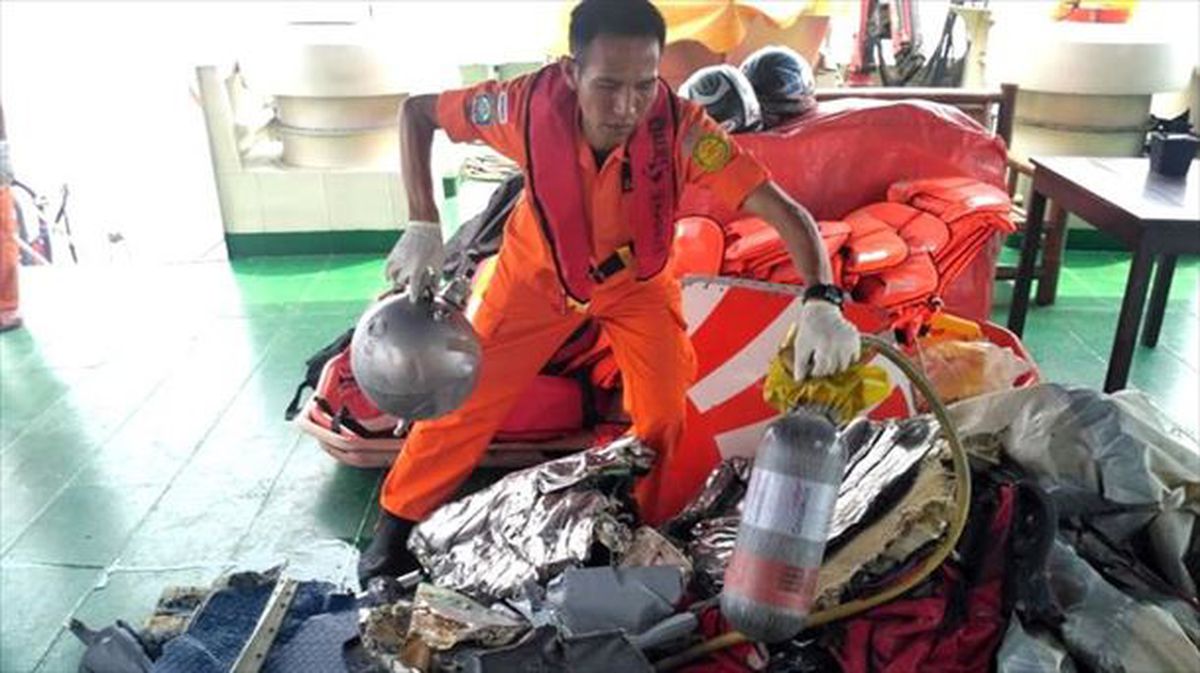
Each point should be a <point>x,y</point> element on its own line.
<point>894,499</point>
<point>533,524</point>
<point>444,619</point>
<point>511,541</point>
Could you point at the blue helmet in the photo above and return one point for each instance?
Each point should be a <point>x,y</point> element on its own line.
<point>783,81</point>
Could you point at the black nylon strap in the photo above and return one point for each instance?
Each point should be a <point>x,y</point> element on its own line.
<point>608,268</point>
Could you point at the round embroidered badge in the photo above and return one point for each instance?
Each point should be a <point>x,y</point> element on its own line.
<point>712,152</point>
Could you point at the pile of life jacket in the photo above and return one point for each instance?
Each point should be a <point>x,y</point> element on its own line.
<point>898,255</point>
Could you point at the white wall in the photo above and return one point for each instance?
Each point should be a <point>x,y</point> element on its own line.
<point>1020,27</point>
<point>99,95</point>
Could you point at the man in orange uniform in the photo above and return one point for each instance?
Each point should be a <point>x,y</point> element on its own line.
<point>606,149</point>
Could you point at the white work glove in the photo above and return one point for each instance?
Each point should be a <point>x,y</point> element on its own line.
<point>415,263</point>
<point>826,343</point>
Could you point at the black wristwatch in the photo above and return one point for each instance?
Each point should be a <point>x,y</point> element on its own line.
<point>826,292</point>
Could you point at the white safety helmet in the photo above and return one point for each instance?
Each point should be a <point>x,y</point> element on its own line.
<point>726,94</point>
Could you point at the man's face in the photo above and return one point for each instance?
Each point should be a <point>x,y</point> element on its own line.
<point>616,80</point>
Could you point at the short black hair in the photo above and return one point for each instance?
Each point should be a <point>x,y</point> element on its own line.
<point>635,18</point>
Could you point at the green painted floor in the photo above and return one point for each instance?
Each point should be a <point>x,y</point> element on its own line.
<point>142,442</point>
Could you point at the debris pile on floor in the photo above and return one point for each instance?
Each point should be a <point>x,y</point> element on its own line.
<point>1081,552</point>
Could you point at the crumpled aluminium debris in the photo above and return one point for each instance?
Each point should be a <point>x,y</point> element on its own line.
<point>651,548</point>
<point>1116,459</point>
<point>384,628</point>
<point>710,549</point>
<point>721,495</point>
<point>532,524</point>
<point>908,525</point>
<point>883,456</point>
<point>443,619</point>
<point>175,608</point>
<point>878,460</point>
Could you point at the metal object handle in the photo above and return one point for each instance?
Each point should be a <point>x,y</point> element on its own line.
<point>254,652</point>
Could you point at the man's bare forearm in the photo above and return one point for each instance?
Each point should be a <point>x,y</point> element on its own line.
<point>796,227</point>
<point>418,121</point>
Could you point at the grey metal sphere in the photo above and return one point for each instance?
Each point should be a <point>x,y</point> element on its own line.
<point>415,360</point>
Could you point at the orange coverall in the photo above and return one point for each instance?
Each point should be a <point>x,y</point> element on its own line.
<point>9,254</point>
<point>523,316</point>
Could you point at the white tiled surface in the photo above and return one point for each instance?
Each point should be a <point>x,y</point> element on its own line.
<point>272,199</point>
<point>241,208</point>
<point>398,197</point>
<point>268,198</point>
<point>358,201</point>
<point>293,201</point>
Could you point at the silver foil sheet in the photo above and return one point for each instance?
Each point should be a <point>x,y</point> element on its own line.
<point>533,524</point>
<point>885,455</point>
<point>881,455</point>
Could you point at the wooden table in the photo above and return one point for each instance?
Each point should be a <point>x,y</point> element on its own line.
<point>1153,216</point>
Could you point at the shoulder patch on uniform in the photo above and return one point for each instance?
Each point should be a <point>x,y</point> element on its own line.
<point>482,109</point>
<point>712,152</point>
<point>502,107</point>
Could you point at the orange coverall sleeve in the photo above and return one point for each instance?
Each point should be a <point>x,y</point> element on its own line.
<point>489,112</point>
<point>712,160</point>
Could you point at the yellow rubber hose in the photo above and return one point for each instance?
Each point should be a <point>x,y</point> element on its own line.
<point>962,507</point>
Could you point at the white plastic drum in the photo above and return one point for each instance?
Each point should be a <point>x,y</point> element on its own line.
<point>338,89</point>
<point>1085,89</point>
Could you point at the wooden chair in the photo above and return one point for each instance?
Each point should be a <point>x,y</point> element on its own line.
<point>1054,238</point>
<point>994,109</point>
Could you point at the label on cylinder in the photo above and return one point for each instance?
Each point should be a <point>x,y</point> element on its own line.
<point>780,585</point>
<point>789,505</point>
